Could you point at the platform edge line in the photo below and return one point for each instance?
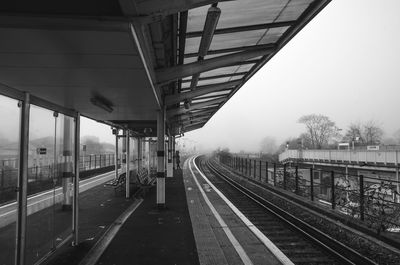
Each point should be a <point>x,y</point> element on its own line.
<point>235,243</point>
<point>263,238</point>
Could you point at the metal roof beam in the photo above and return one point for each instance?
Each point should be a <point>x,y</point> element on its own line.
<point>210,25</point>
<point>216,76</point>
<point>193,127</point>
<point>199,91</point>
<point>180,71</point>
<point>180,110</point>
<point>191,121</point>
<point>195,34</point>
<point>271,47</point>
<point>190,116</point>
<point>149,7</point>
<point>182,35</point>
<point>196,113</point>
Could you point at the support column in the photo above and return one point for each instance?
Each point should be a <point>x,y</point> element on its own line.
<point>127,169</point>
<point>173,153</point>
<point>139,159</point>
<point>169,158</point>
<point>160,158</point>
<point>116,153</point>
<point>75,205</point>
<point>67,164</point>
<point>148,155</point>
<point>22,181</point>
<point>123,156</point>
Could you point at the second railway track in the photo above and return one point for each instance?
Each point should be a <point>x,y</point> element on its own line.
<point>301,243</point>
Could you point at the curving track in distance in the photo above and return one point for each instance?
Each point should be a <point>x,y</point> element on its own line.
<point>300,242</point>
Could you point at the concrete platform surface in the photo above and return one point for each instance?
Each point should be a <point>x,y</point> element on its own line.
<point>154,236</point>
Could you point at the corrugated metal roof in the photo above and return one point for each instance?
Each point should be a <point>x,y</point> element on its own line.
<point>243,25</point>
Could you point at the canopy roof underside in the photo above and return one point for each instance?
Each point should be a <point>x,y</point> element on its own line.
<point>135,57</point>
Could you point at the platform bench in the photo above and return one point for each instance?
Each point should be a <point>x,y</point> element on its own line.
<point>144,180</point>
<point>118,183</point>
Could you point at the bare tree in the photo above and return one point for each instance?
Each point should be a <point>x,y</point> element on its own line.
<point>320,129</point>
<point>372,132</point>
<point>354,133</point>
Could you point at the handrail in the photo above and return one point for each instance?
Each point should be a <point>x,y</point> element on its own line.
<point>390,157</point>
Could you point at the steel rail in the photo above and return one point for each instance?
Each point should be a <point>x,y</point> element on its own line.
<point>343,253</point>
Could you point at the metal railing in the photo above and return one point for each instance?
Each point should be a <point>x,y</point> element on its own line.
<point>47,175</point>
<point>389,157</point>
<point>374,201</point>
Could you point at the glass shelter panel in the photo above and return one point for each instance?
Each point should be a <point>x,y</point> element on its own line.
<point>9,152</point>
<point>50,181</point>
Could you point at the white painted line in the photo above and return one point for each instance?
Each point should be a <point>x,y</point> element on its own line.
<point>265,240</point>
<point>235,243</point>
<point>98,249</point>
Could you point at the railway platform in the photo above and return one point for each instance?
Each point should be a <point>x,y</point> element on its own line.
<point>196,227</point>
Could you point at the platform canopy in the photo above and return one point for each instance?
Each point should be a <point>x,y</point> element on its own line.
<point>121,61</point>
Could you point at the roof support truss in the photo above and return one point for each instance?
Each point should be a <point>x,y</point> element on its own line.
<point>180,71</point>
<point>200,105</point>
<point>199,91</point>
<point>216,76</point>
<point>271,47</point>
<point>195,34</point>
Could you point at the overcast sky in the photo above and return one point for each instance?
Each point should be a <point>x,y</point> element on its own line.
<point>343,64</point>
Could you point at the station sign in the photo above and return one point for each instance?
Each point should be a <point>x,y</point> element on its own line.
<point>41,151</point>
<point>373,147</point>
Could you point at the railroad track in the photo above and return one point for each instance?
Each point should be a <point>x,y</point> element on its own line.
<point>300,242</point>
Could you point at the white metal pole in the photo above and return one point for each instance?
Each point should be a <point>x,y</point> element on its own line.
<point>160,159</point>
<point>75,208</point>
<point>127,170</point>
<point>22,181</point>
<point>116,154</point>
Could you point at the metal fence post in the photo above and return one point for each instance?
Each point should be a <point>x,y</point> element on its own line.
<point>260,171</point>
<point>361,197</point>
<point>274,174</point>
<point>333,189</point>
<point>266,172</point>
<point>90,161</point>
<point>297,179</point>
<point>312,184</point>
<point>255,171</point>
<point>2,176</point>
<point>284,176</point>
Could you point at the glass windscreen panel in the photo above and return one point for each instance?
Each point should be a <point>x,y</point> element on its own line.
<point>9,156</point>
<point>50,181</point>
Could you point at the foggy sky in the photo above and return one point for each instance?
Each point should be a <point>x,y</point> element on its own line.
<point>343,64</point>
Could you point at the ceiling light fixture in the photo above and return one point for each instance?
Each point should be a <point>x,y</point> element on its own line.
<point>102,103</point>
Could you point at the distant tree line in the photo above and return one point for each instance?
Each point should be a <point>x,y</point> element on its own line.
<point>322,133</point>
